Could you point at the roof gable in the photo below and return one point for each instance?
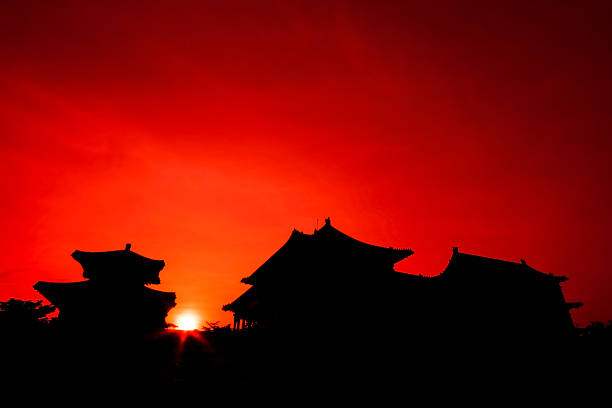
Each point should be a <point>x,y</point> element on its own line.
<point>121,265</point>
<point>325,246</point>
<point>479,267</point>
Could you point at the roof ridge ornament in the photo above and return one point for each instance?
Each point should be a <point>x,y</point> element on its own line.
<point>128,247</point>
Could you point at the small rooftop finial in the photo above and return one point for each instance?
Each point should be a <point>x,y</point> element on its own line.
<point>128,247</point>
<point>455,250</point>
<point>523,262</point>
<point>327,221</point>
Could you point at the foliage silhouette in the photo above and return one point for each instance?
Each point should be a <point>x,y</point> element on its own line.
<point>24,313</point>
<point>215,327</point>
<point>597,329</point>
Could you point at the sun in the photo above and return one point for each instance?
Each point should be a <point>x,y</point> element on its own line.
<point>187,321</point>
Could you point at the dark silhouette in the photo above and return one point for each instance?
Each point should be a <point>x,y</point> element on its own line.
<point>598,330</point>
<point>215,327</point>
<point>325,313</point>
<point>23,314</point>
<point>115,294</point>
<point>485,298</point>
<point>341,284</point>
<point>340,310</point>
<point>327,278</point>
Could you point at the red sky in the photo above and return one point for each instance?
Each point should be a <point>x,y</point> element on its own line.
<point>204,132</point>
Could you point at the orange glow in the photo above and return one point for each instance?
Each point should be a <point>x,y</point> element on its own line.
<point>203,132</point>
<point>188,321</point>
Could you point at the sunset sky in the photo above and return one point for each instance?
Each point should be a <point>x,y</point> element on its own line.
<point>204,132</point>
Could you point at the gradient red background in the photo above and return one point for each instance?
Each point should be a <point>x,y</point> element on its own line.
<point>204,132</point>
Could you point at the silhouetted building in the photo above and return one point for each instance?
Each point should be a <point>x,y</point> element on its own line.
<point>323,279</point>
<point>115,292</point>
<point>486,297</point>
<point>330,279</point>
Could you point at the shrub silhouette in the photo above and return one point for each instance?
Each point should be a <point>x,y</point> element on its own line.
<point>216,327</point>
<point>597,330</point>
<point>16,313</point>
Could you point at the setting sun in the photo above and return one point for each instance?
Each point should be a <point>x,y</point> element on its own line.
<point>188,321</point>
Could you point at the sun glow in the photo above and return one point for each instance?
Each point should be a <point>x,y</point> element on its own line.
<point>188,321</point>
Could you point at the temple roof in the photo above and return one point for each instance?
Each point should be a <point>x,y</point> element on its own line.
<point>119,265</point>
<point>78,293</point>
<point>329,245</point>
<point>480,267</point>
<point>331,234</point>
<point>245,302</point>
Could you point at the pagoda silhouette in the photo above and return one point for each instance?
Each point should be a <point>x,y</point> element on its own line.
<point>115,294</point>
<point>329,280</point>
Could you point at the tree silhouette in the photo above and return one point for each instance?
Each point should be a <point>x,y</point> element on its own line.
<point>24,313</point>
<point>215,327</point>
<point>598,330</point>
